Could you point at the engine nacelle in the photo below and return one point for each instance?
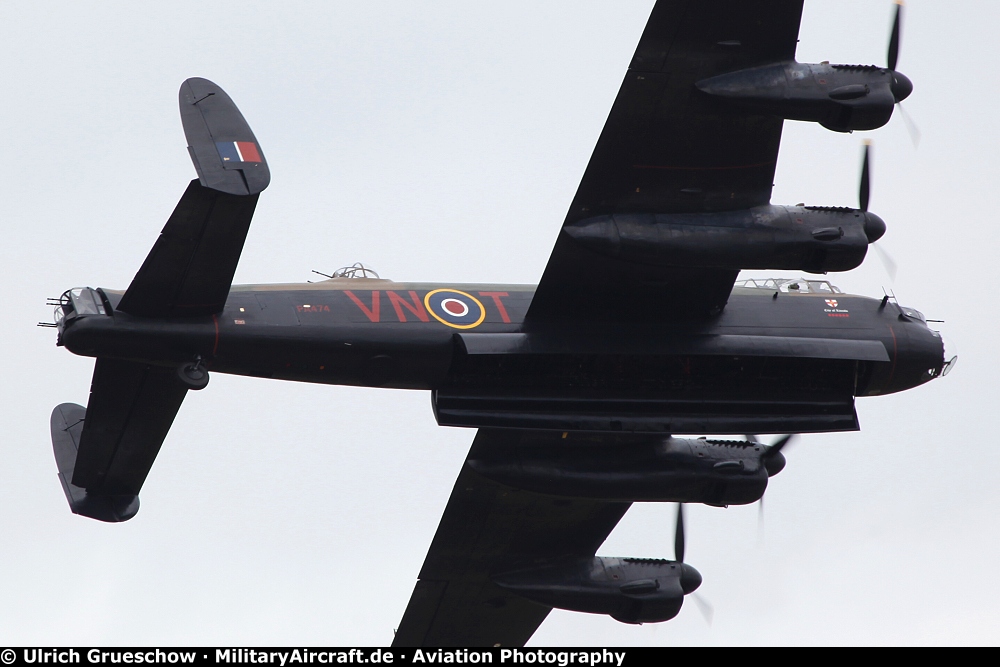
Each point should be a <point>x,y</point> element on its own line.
<point>800,238</point>
<point>650,470</point>
<point>630,590</point>
<point>842,98</point>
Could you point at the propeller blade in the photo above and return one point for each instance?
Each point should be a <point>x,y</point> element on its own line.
<point>864,192</point>
<point>753,439</point>
<point>773,468</point>
<point>779,445</point>
<point>911,127</point>
<point>679,535</point>
<point>887,261</point>
<point>894,40</point>
<point>705,607</point>
<point>760,519</point>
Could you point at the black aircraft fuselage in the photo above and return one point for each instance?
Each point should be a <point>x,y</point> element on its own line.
<point>775,360</point>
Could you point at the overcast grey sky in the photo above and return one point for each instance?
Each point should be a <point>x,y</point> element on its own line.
<point>443,141</point>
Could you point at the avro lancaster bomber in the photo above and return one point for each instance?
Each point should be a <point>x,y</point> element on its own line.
<point>638,330</point>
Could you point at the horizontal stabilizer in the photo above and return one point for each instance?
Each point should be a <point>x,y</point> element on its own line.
<point>223,147</point>
<point>67,426</point>
<point>189,271</point>
<point>105,452</point>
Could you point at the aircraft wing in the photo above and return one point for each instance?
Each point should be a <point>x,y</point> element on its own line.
<point>488,528</point>
<point>668,148</point>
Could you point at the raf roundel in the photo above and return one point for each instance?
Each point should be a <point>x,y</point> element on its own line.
<point>455,309</point>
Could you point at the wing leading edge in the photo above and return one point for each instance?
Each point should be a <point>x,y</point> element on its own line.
<point>667,148</point>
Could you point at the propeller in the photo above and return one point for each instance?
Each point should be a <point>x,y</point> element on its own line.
<point>705,607</point>
<point>771,458</point>
<point>887,262</point>
<point>679,535</point>
<point>773,461</point>
<point>894,39</point>
<point>874,225</point>
<point>694,579</point>
<point>911,126</point>
<point>901,86</point>
<point>865,188</point>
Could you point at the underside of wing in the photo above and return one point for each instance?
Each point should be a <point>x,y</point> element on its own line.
<point>669,148</point>
<point>487,529</point>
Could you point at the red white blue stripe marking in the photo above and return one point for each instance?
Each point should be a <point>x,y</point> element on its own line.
<point>238,151</point>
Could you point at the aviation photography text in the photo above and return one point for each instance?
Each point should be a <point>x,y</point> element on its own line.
<point>311,656</point>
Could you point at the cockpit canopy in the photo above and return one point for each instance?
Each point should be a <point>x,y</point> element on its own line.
<point>790,285</point>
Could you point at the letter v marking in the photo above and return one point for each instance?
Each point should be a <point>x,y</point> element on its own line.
<point>373,312</point>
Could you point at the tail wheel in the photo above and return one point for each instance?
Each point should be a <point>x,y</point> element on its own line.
<point>193,374</point>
